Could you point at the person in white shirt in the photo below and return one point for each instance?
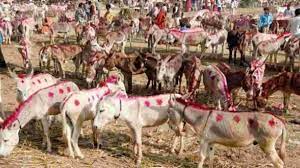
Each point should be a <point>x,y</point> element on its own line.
<point>288,12</point>
<point>294,24</point>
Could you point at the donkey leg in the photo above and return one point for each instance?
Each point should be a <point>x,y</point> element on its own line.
<point>67,134</point>
<point>286,101</point>
<point>46,138</point>
<point>270,151</point>
<point>74,140</point>
<point>174,144</point>
<point>203,153</point>
<point>137,135</point>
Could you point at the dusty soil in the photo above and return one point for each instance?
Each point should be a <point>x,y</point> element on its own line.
<point>117,149</point>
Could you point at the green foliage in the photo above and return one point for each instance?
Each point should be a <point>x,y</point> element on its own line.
<point>247,3</point>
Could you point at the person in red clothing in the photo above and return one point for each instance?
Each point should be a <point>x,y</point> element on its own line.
<point>160,20</point>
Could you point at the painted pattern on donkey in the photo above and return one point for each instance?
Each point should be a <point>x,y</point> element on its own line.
<point>230,129</point>
<point>80,106</point>
<point>38,106</point>
<point>137,112</point>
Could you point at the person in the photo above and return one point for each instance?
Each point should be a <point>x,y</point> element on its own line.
<point>80,14</point>
<point>233,6</point>
<point>93,11</point>
<point>265,20</point>
<point>288,12</point>
<point>176,14</point>
<point>294,24</point>
<point>108,16</point>
<point>219,5</point>
<point>46,26</point>
<point>160,20</point>
<point>87,10</point>
<point>2,60</point>
<point>98,7</point>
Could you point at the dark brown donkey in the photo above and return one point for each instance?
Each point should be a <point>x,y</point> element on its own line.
<point>286,82</point>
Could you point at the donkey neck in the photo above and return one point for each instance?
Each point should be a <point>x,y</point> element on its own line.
<point>235,79</point>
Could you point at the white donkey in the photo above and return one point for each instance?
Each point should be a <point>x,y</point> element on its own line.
<point>216,39</point>
<point>80,106</point>
<point>230,129</point>
<point>38,106</point>
<point>137,112</point>
<point>27,84</point>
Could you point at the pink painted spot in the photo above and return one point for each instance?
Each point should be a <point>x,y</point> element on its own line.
<point>76,102</point>
<point>69,89</point>
<point>33,83</point>
<point>237,118</point>
<point>147,103</point>
<point>159,101</point>
<point>50,94</point>
<point>219,117</point>
<point>39,81</point>
<point>61,91</point>
<point>272,122</point>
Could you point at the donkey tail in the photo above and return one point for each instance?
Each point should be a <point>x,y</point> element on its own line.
<point>282,151</point>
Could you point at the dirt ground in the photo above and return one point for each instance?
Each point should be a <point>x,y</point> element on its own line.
<point>117,149</point>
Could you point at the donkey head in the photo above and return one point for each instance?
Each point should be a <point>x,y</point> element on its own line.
<point>44,56</point>
<point>107,111</point>
<point>9,138</point>
<point>23,84</point>
<point>253,77</point>
<point>162,67</point>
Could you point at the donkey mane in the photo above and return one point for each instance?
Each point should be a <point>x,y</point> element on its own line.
<point>193,104</point>
<point>14,116</point>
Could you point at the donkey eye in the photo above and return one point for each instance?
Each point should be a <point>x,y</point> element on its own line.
<point>5,140</point>
<point>101,111</point>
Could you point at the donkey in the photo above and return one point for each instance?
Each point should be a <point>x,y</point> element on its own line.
<point>271,47</point>
<point>216,39</point>
<point>119,37</point>
<point>216,86</point>
<point>59,54</point>
<point>137,112</point>
<point>260,37</point>
<point>292,51</point>
<point>167,70</point>
<point>60,27</point>
<point>28,84</point>
<point>286,82</point>
<point>80,106</point>
<point>38,106</point>
<point>230,129</point>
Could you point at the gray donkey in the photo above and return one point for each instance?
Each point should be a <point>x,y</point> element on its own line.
<point>38,106</point>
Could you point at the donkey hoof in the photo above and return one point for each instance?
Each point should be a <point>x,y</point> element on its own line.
<point>80,156</point>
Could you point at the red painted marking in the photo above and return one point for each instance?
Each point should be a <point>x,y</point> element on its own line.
<point>237,118</point>
<point>272,122</point>
<point>219,117</point>
<point>33,83</point>
<point>193,104</point>
<point>50,94</point>
<point>253,123</point>
<point>76,102</point>
<point>69,89</point>
<point>21,76</point>
<point>61,91</point>
<point>159,101</point>
<point>147,103</point>
<point>39,81</point>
